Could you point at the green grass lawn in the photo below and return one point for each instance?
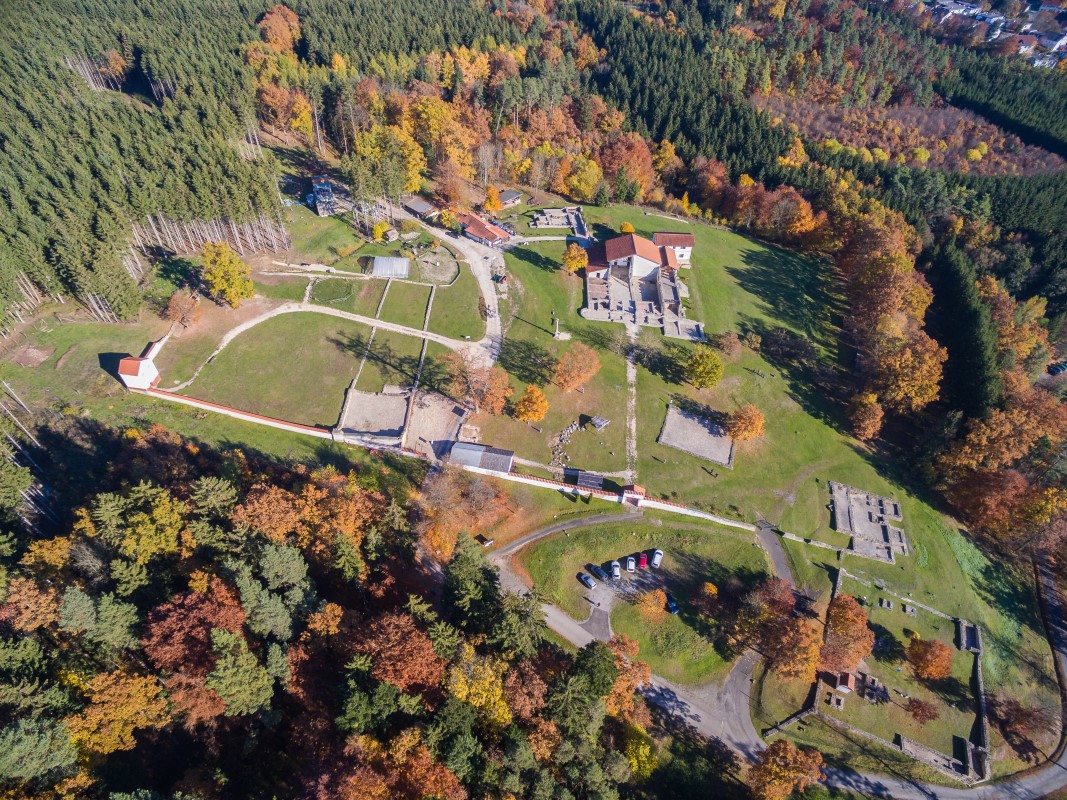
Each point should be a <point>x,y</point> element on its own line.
<point>676,648</point>
<point>75,382</point>
<point>355,295</point>
<point>537,288</point>
<point>457,310</point>
<point>393,358</point>
<point>282,288</point>
<point>953,697</point>
<point>405,304</point>
<point>294,367</point>
<point>319,240</point>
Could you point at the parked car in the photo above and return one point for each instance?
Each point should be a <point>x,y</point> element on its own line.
<point>657,559</point>
<point>1053,369</point>
<point>616,570</point>
<point>671,605</point>
<point>589,582</point>
<point>631,563</point>
<point>642,561</point>
<point>598,572</point>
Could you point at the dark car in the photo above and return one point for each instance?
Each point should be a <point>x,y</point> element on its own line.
<point>671,605</point>
<point>598,572</point>
<point>589,582</point>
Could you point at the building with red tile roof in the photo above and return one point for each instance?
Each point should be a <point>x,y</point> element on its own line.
<point>476,228</point>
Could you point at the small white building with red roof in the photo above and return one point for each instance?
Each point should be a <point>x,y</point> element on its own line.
<point>680,244</point>
<point>140,372</point>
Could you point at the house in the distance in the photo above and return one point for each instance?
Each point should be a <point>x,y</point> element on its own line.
<point>325,205</point>
<point>680,243</point>
<point>476,228</point>
<point>421,208</point>
<point>1054,41</point>
<point>630,279</point>
<point>510,198</point>
<point>139,372</point>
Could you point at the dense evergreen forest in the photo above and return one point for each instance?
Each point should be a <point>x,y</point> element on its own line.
<point>1029,102</point>
<point>79,165</point>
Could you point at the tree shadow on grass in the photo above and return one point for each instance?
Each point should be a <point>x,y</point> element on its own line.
<point>698,766</point>
<point>527,361</point>
<point>888,649</point>
<point>535,259</point>
<point>179,271</point>
<point>666,360</point>
<point>1001,586</point>
<point>951,690</point>
<point>611,339</point>
<point>391,365</point>
<point>796,290</point>
<point>818,386</point>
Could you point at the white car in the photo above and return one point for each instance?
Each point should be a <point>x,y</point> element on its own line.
<point>657,559</point>
<point>616,570</point>
<point>631,564</point>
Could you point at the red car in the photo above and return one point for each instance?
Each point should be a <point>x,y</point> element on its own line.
<point>642,561</point>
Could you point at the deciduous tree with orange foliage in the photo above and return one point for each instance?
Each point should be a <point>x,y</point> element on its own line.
<point>782,769</point>
<point>119,706</point>
<point>492,203</point>
<point>633,674</point>
<point>525,690</point>
<point>280,28</point>
<point>866,415</point>
<point>402,654</point>
<point>848,639</point>
<point>1006,435</point>
<point>921,710</point>
<point>575,257</point>
<point>1018,325</point>
<point>793,649</point>
<point>576,367</point>
<point>745,423</point>
<point>652,605</point>
<point>930,658</point>
<point>908,374</point>
<point>485,387</point>
<point>532,406</point>
<point>29,606</point>
<point>183,308</point>
<point>178,633</point>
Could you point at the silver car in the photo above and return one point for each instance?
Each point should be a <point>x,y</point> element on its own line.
<point>616,570</point>
<point>657,559</point>
<point>631,564</point>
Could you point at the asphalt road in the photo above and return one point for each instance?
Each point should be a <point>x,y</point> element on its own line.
<point>721,711</point>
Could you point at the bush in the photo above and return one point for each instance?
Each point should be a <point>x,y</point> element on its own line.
<point>626,227</point>
<point>652,605</point>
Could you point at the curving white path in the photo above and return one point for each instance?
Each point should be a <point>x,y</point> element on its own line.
<point>485,349</point>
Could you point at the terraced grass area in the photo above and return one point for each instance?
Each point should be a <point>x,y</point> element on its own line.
<point>678,647</point>
<point>457,310</point>
<point>294,367</point>
<point>393,358</point>
<point>405,304</point>
<point>355,295</point>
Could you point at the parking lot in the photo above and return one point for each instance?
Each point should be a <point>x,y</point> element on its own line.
<point>630,584</point>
